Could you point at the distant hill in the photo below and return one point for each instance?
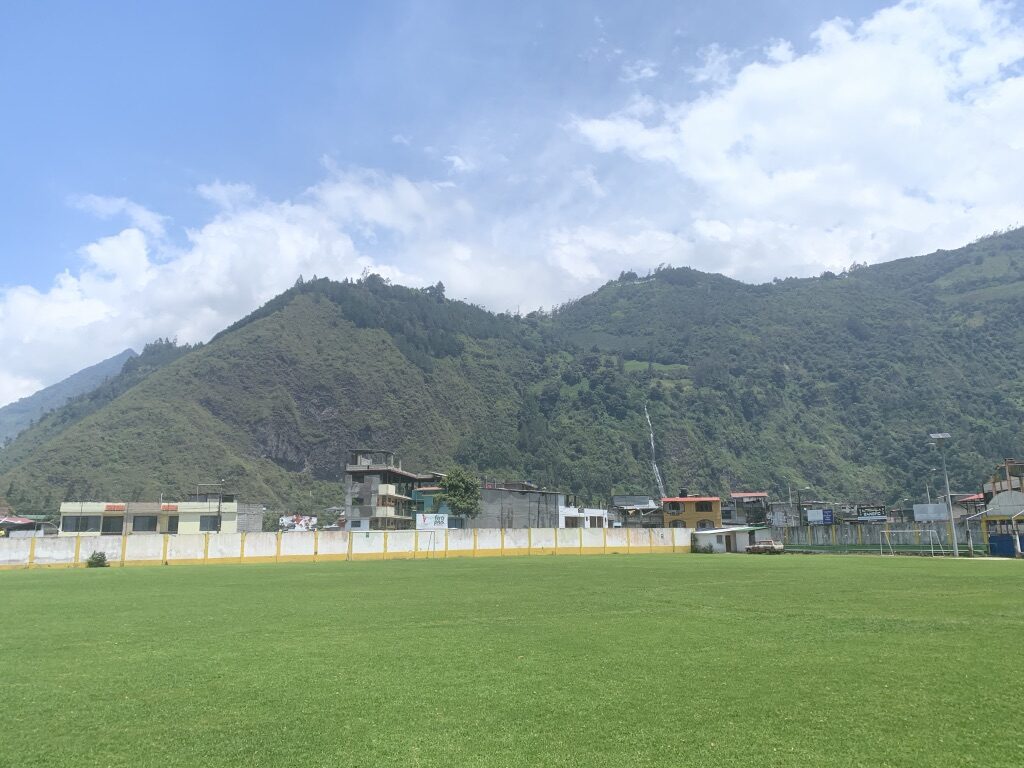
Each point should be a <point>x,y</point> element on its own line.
<point>830,382</point>
<point>17,416</point>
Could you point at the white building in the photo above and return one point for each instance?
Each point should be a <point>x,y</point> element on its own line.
<point>733,539</point>
<point>582,517</point>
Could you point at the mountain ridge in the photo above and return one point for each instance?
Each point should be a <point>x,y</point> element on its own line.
<point>17,416</point>
<point>831,382</point>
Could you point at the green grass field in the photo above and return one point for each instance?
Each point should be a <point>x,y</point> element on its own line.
<point>649,660</point>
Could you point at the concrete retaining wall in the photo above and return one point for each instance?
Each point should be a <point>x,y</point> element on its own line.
<point>313,546</point>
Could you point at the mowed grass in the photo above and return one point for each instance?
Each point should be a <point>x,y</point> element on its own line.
<point>644,660</point>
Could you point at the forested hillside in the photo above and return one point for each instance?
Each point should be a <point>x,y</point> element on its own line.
<point>832,382</point>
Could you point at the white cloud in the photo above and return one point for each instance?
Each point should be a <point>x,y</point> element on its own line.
<point>886,138</point>
<point>227,196</point>
<point>641,69</point>
<point>108,207</point>
<point>459,164</point>
<point>716,65</point>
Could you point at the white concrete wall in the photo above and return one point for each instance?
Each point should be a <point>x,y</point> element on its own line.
<point>333,543</point>
<point>261,544</point>
<point>297,544</point>
<point>148,547</point>
<point>54,550</point>
<point>306,546</point>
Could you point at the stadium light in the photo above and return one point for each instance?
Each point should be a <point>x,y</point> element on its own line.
<point>940,439</point>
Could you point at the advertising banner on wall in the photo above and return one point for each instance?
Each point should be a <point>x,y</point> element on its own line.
<point>430,522</point>
<point>928,513</point>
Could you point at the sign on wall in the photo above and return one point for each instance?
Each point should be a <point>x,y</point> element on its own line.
<point>871,514</point>
<point>820,517</point>
<point>431,522</point>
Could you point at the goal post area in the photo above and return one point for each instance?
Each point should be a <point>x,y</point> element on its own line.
<point>912,542</point>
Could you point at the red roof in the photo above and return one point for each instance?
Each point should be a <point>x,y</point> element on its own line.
<point>15,521</point>
<point>691,498</point>
<point>750,495</point>
<point>974,497</point>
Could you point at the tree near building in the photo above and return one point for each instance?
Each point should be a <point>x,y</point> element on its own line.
<point>461,492</point>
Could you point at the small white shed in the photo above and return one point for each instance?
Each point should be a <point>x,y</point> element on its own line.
<point>732,539</point>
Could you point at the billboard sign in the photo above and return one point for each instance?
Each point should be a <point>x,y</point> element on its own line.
<point>431,522</point>
<point>928,513</point>
<point>871,514</point>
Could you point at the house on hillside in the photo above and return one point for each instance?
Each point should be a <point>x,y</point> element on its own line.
<point>199,513</point>
<point>697,512</point>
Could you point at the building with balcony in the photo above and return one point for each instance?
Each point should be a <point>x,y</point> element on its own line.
<point>379,493</point>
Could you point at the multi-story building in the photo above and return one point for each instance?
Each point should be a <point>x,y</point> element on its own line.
<point>378,492</point>
<point>697,512</point>
<point>201,513</point>
<point>746,507</point>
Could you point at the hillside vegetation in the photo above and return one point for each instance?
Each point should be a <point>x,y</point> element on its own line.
<point>832,382</point>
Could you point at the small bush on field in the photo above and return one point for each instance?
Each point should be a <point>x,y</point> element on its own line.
<point>702,549</point>
<point>97,560</point>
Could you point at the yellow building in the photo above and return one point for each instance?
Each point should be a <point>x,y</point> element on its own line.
<point>198,515</point>
<point>697,512</point>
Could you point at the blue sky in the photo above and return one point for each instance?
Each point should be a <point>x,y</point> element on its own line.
<point>521,152</point>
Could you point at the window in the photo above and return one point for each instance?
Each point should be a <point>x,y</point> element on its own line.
<point>572,522</point>
<point>726,513</point>
<point>674,506</point>
<point>718,539</point>
<point>356,525</point>
<point>172,524</point>
<point>209,522</point>
<point>144,524</point>
<point>703,524</point>
<point>113,524</point>
<point>596,522</point>
<point>678,524</point>
<point>80,523</point>
<point>703,506</point>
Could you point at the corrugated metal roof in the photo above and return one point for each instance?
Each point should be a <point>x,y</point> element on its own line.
<point>749,495</point>
<point>691,498</point>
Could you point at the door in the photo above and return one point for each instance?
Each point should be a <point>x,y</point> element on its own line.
<point>728,543</point>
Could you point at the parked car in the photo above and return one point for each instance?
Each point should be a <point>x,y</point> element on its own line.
<point>766,547</point>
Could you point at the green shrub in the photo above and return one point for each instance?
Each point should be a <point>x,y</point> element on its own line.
<point>702,549</point>
<point>97,560</point>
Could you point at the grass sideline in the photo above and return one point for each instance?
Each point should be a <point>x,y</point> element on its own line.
<point>648,660</point>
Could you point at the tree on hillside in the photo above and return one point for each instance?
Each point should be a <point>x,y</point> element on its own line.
<point>461,492</point>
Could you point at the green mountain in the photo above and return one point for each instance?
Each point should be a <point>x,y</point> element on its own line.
<point>832,382</point>
<point>18,416</point>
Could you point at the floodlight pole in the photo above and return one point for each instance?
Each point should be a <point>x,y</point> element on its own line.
<point>1016,535</point>
<point>940,439</point>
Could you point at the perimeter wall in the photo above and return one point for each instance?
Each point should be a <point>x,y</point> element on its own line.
<point>316,546</point>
